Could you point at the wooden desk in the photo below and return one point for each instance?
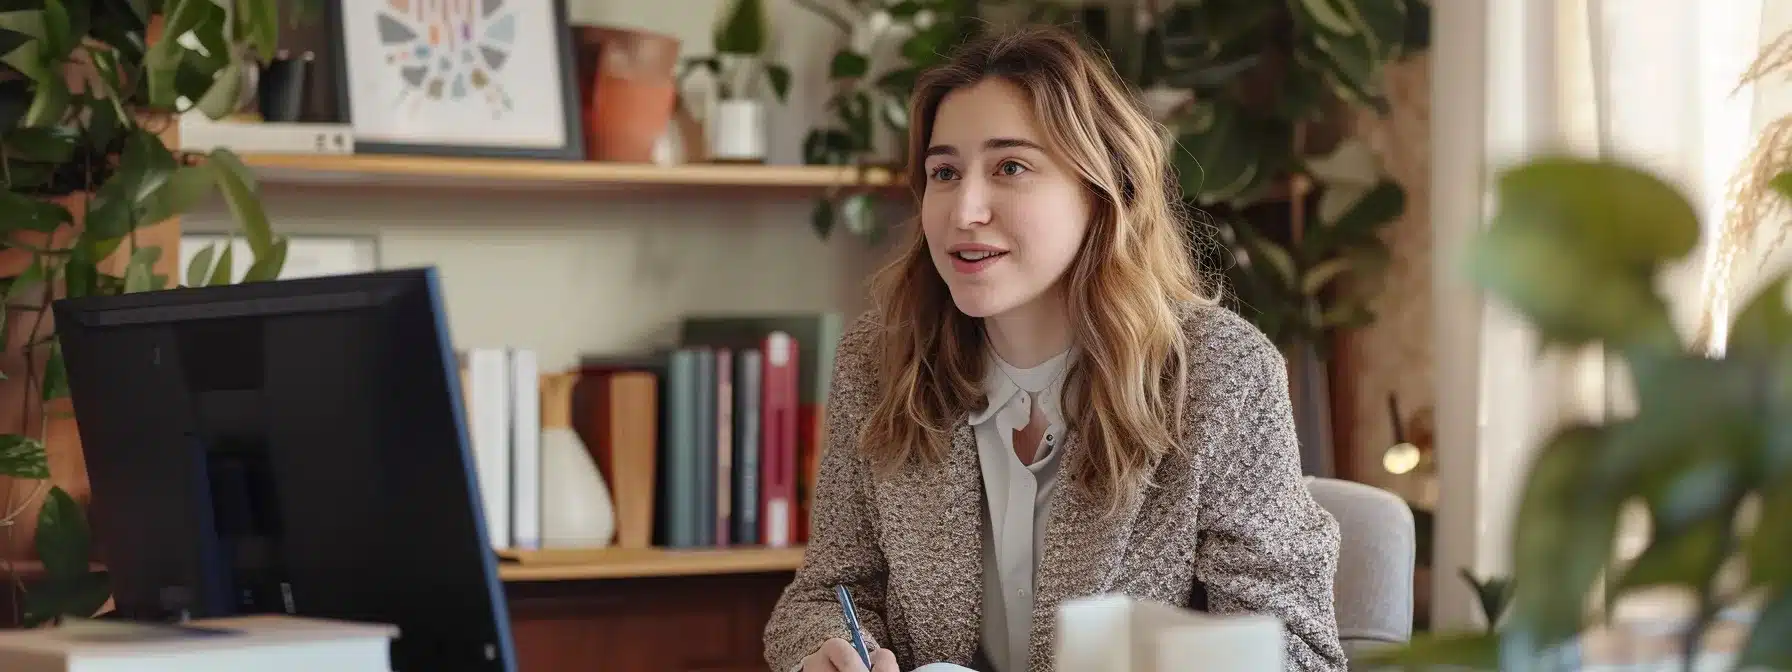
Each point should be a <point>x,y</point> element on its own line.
<point>645,610</point>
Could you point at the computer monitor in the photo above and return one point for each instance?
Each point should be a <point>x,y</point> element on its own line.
<point>288,447</point>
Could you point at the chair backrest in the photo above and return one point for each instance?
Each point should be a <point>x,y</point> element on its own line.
<point>1373,587</point>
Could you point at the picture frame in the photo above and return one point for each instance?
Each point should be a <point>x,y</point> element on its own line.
<point>403,93</point>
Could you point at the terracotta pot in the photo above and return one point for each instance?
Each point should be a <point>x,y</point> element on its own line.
<point>628,83</point>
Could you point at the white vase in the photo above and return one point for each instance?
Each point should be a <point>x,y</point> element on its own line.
<point>737,131</point>
<point>576,511</point>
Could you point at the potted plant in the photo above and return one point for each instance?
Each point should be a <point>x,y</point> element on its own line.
<point>741,67</point>
<point>885,46</point>
<point>87,90</point>
<point>1575,249</point>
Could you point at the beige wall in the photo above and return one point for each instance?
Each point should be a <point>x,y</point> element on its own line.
<point>573,273</point>
<point>1394,355</point>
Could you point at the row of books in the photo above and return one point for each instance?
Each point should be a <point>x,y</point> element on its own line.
<point>715,441</point>
<point>501,393</point>
<point>712,442</point>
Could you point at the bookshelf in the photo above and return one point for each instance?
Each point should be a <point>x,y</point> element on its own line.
<point>388,170</point>
<point>629,563</point>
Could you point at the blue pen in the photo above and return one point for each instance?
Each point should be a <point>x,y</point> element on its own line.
<point>852,624</point>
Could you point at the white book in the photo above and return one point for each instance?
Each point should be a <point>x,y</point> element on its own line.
<point>488,420</point>
<point>1117,633</point>
<point>525,447</point>
<point>270,643</point>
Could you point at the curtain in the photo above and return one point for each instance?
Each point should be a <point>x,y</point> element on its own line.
<point>1653,82</point>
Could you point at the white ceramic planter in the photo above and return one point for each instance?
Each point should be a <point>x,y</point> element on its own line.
<point>737,131</point>
<point>576,510</point>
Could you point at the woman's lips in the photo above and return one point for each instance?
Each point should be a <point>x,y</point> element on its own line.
<point>972,262</point>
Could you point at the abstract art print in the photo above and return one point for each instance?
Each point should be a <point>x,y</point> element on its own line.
<point>468,77</point>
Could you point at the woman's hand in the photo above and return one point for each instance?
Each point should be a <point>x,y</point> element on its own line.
<point>837,655</point>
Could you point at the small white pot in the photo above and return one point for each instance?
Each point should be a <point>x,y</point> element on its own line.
<point>737,131</point>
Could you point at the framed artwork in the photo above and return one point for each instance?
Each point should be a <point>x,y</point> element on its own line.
<point>458,77</point>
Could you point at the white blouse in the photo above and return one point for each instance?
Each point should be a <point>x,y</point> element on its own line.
<point>1018,496</point>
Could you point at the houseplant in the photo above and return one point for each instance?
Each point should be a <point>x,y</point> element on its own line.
<point>1259,98</point>
<point>885,46</point>
<point>741,68</point>
<point>1575,248</point>
<point>87,87</point>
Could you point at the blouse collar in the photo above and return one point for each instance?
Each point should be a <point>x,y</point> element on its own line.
<point>1003,384</point>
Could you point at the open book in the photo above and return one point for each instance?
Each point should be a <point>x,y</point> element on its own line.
<point>1116,633</point>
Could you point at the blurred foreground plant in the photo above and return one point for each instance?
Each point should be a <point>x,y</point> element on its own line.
<point>1575,248</point>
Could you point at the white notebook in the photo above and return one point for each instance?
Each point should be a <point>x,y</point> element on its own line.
<point>1116,633</point>
<point>255,643</point>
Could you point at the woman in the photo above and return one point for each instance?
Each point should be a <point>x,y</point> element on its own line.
<point>1043,405</point>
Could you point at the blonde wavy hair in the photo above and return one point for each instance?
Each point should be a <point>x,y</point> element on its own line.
<point>1127,290</point>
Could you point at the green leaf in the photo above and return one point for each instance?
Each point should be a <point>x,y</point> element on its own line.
<point>109,213</point>
<point>223,272</point>
<point>1764,326</point>
<point>201,265</point>
<point>238,184</point>
<point>1325,14</point>
<point>225,93</point>
<point>848,64</point>
<point>1683,558</point>
<point>822,218</point>
<point>1770,640</point>
<point>1569,298</point>
<point>62,536</point>
<point>1221,161</point>
<point>262,19</point>
<point>19,212</point>
<point>1492,595</point>
<point>81,597</point>
<point>1769,549</point>
<point>50,103</point>
<point>1782,184</point>
<point>28,58</point>
<point>267,267</point>
<point>23,457</point>
<point>139,271</point>
<point>1562,539</point>
<point>743,32</point>
<point>1606,212</point>
<point>1382,204</point>
<point>30,280</point>
<point>12,39</point>
<point>80,274</point>
<point>183,190</point>
<point>779,77</point>
<point>1323,274</point>
<point>145,166</point>
<point>55,383</point>
<point>49,144</point>
<point>1466,650</point>
<point>57,39</point>
<point>162,62</point>
<point>898,83</point>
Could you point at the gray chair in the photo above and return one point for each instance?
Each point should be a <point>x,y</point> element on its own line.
<point>1373,586</point>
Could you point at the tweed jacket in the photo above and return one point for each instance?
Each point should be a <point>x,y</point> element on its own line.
<point>1229,514</point>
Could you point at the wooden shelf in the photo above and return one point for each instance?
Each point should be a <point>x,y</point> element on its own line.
<point>385,170</point>
<point>621,563</point>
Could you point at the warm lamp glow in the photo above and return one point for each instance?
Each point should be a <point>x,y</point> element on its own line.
<point>1400,458</point>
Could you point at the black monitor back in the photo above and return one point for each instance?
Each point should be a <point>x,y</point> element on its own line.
<point>288,447</point>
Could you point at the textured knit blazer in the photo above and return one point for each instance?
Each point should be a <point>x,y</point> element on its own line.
<point>1229,516</point>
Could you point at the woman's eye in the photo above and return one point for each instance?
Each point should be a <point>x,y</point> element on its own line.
<point>1010,169</point>
<point>944,173</point>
